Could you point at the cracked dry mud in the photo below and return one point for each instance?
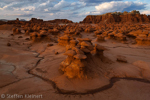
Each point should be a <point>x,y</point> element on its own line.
<point>32,68</point>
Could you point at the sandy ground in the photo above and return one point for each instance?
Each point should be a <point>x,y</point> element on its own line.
<point>31,69</point>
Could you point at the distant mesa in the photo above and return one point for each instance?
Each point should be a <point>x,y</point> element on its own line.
<point>34,20</point>
<point>112,17</point>
<point>60,21</point>
<point>118,17</point>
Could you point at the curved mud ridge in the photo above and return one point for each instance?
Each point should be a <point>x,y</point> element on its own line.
<point>112,81</point>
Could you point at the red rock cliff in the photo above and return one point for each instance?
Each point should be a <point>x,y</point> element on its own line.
<point>117,17</point>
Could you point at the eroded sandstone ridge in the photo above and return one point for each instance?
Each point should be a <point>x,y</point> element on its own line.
<point>118,17</point>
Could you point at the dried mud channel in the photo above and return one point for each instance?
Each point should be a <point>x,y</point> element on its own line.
<point>112,81</point>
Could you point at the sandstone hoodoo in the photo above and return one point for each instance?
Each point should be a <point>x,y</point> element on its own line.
<point>100,38</point>
<point>40,36</point>
<point>118,17</point>
<point>64,40</point>
<point>16,31</point>
<point>76,65</point>
<point>54,31</point>
<point>141,37</point>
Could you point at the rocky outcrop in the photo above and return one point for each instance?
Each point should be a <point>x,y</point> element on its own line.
<point>100,38</point>
<point>39,36</point>
<point>76,64</point>
<point>117,17</point>
<point>64,40</point>
<point>16,31</point>
<point>60,21</point>
<point>35,20</point>
<point>54,31</point>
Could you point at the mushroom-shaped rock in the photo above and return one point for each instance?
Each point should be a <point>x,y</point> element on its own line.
<point>149,35</point>
<point>85,43</point>
<point>77,63</point>
<point>99,47</point>
<point>84,49</point>
<point>33,34</point>
<point>64,40</point>
<point>16,31</point>
<point>80,56</point>
<point>100,38</point>
<point>94,52</point>
<point>77,33</point>
<point>70,53</point>
<point>73,42</point>
<point>78,51</point>
<point>121,59</point>
<point>142,35</point>
<point>43,31</point>
<point>84,39</point>
<point>65,37</point>
<point>98,32</point>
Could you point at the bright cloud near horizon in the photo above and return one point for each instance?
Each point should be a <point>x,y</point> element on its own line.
<point>75,10</point>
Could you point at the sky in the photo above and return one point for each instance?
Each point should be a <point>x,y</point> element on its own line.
<point>75,10</point>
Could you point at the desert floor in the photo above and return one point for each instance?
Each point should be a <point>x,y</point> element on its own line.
<point>28,68</point>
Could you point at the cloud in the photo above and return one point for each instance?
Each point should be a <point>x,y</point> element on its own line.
<point>97,1</point>
<point>74,10</point>
<point>20,15</point>
<point>11,1</point>
<point>147,12</point>
<point>60,5</point>
<point>119,6</point>
<point>13,4</point>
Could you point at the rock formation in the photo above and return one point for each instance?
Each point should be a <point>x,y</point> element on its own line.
<point>35,20</point>
<point>40,36</point>
<point>60,21</point>
<point>117,17</point>
<point>64,40</point>
<point>16,31</point>
<point>76,64</point>
<point>54,31</point>
<point>100,38</point>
